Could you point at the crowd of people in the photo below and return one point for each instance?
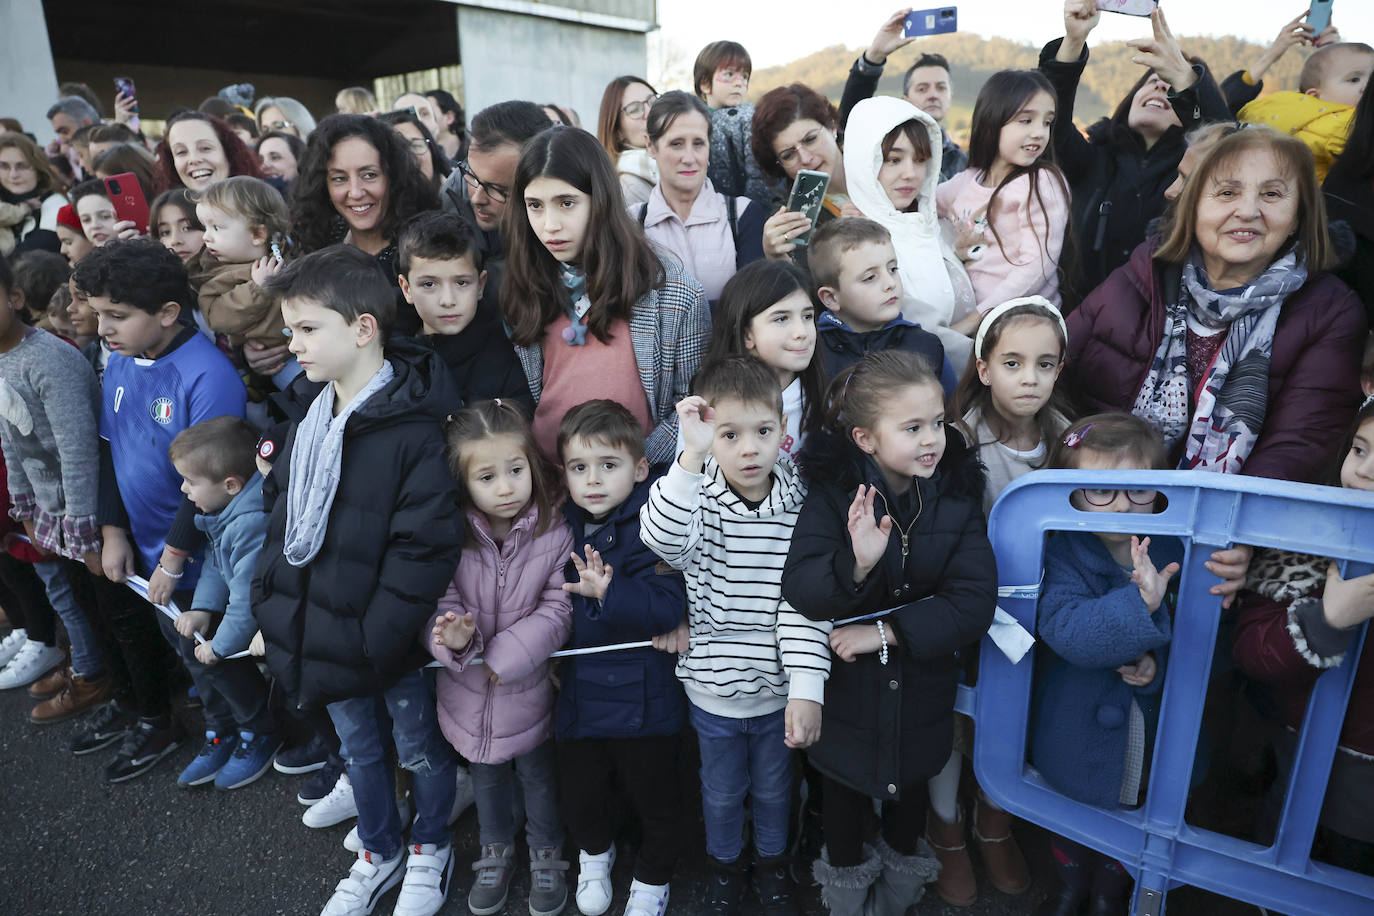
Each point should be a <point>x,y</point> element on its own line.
<point>381,411</point>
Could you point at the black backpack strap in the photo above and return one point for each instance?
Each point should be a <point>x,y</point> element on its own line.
<point>643,212</point>
<point>731,213</point>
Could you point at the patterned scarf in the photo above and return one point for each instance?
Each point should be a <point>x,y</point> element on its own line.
<point>1232,399</point>
<point>576,305</point>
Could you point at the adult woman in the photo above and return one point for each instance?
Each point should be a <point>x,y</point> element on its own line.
<point>1349,190</point>
<point>622,129</point>
<point>356,100</point>
<point>1117,175</point>
<point>285,114</point>
<point>198,150</point>
<point>453,125</point>
<point>794,129</point>
<point>27,180</point>
<point>429,156</point>
<point>712,235</point>
<point>279,155</point>
<point>1226,334</point>
<point>592,310</point>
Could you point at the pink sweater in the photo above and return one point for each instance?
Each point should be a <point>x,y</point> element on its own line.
<point>515,593</point>
<point>1032,235</point>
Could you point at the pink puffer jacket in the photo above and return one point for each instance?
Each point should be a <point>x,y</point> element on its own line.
<point>515,594</point>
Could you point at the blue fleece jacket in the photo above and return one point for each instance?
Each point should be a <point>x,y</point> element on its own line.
<point>1092,620</point>
<point>235,534</point>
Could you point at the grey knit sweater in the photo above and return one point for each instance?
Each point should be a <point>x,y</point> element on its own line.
<point>48,402</point>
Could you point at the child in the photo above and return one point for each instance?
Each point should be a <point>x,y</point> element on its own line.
<point>215,459</point>
<point>48,434</point>
<point>440,272</point>
<point>768,311</point>
<point>364,537</point>
<point>1321,112</point>
<point>60,317</point>
<point>174,223</point>
<point>71,239</point>
<point>1012,193</point>
<point>37,275</point>
<point>1104,625</point>
<point>892,171</point>
<point>87,327</point>
<point>859,281</point>
<point>95,211</point>
<point>1298,619</point>
<point>506,605</point>
<point>754,669</point>
<point>1007,399</point>
<point>162,377</point>
<point>619,713</point>
<point>874,488</point>
<point>721,76</point>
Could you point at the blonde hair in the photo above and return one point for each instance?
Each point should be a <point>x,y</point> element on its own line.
<point>254,201</point>
<point>355,100</point>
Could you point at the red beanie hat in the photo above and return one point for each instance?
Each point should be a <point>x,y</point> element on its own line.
<point>67,217</point>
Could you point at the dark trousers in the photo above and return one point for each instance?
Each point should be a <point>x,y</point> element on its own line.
<point>26,601</point>
<point>847,814</point>
<point>140,661</point>
<point>232,691</point>
<point>592,770</point>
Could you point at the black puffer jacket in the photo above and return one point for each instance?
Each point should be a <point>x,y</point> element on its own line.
<point>482,361</point>
<point>889,726</point>
<point>1118,185</point>
<point>348,623</point>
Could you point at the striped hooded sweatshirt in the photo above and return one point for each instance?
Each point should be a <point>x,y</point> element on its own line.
<point>751,651</point>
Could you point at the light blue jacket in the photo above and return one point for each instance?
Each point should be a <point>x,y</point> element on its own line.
<point>236,534</point>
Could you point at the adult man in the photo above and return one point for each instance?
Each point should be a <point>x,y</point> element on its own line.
<point>67,116</point>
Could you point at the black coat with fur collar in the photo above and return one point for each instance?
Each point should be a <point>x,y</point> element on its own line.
<point>888,727</point>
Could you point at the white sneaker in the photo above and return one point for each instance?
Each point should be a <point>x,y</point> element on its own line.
<point>429,870</point>
<point>29,664</point>
<point>594,881</point>
<point>646,899</point>
<point>353,844</point>
<point>463,797</point>
<point>335,808</point>
<point>11,644</point>
<point>369,878</point>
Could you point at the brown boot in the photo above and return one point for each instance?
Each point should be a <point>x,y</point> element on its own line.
<point>1001,855</point>
<point>955,884</point>
<point>49,686</point>
<point>79,695</point>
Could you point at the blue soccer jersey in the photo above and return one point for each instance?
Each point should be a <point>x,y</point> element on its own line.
<point>144,404</point>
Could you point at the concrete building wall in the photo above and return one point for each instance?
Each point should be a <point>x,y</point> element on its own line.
<point>28,80</point>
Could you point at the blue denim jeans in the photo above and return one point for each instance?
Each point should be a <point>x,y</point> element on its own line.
<point>420,748</point>
<point>498,799</point>
<point>86,658</point>
<point>742,757</point>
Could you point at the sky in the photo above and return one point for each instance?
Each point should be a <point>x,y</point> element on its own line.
<point>777,33</point>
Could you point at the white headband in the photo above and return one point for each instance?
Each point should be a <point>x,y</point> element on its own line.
<point>997,311</point>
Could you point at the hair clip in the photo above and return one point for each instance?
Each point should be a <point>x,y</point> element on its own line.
<point>498,401</point>
<point>1367,401</point>
<point>1075,436</point>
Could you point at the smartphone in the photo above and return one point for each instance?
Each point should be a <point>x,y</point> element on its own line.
<point>807,197</point>
<point>932,22</point>
<point>125,87</point>
<point>1319,15</point>
<point>1128,7</point>
<point>127,196</point>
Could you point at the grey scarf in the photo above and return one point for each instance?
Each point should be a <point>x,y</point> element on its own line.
<point>315,461</point>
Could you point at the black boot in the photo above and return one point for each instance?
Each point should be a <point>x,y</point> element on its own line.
<point>773,886</point>
<point>1110,891</point>
<point>725,890</point>
<point>1074,867</point>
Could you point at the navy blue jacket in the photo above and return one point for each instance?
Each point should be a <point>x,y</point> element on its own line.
<point>842,346</point>
<point>632,693</point>
<point>1091,620</point>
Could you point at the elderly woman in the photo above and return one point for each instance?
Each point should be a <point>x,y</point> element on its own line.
<point>285,114</point>
<point>712,235</point>
<point>623,131</point>
<point>1227,335</point>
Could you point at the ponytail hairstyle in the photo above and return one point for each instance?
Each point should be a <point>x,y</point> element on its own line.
<point>857,396</point>
<point>972,394</point>
<point>753,290</point>
<point>487,420</point>
<point>255,202</point>
<point>618,262</point>
<point>1114,433</point>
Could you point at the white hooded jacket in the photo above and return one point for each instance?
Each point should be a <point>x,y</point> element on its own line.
<point>936,290</point>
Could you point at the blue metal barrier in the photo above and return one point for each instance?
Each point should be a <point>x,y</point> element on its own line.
<point>1154,843</point>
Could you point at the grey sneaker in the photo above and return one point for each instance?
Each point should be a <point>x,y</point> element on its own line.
<point>548,885</point>
<point>493,867</point>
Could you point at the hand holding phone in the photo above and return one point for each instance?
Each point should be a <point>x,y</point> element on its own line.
<point>807,198</point>
<point>126,194</point>
<point>1319,15</point>
<point>1128,7</point>
<point>939,21</point>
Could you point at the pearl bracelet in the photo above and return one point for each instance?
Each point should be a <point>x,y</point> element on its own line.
<point>168,573</point>
<point>882,650</point>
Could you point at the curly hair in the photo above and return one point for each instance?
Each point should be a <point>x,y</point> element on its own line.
<point>240,156</point>
<point>776,111</point>
<point>315,220</point>
<point>137,272</point>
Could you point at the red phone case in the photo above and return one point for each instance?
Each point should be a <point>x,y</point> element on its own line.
<point>127,196</point>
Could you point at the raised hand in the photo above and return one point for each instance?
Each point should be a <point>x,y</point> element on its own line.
<point>1151,582</point>
<point>1163,55</point>
<point>1080,18</point>
<point>594,576</point>
<point>454,632</point>
<point>891,36</point>
<point>868,538</point>
<point>698,424</point>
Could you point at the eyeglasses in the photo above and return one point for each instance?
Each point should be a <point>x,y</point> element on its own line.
<point>16,167</point>
<point>639,109</point>
<point>808,143</point>
<point>278,125</point>
<point>1102,498</point>
<point>495,192</point>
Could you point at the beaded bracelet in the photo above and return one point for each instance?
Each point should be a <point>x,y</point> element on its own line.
<point>168,573</point>
<point>882,650</point>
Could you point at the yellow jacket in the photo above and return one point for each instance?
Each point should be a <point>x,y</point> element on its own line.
<point>1323,126</point>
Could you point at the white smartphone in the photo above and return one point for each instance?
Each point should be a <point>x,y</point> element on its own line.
<point>1128,7</point>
